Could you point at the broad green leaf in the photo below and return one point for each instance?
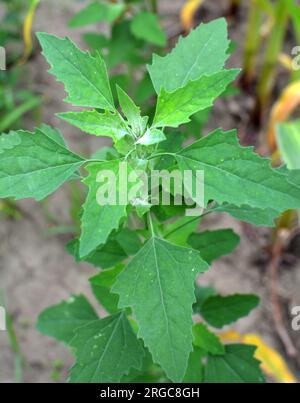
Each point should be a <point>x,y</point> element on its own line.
<point>131,111</point>
<point>179,231</point>
<point>100,124</point>
<point>255,216</point>
<point>84,76</point>
<point>175,108</point>
<point>34,165</point>
<point>105,256</point>
<point>206,340</point>
<point>214,244</point>
<point>219,311</point>
<point>202,52</point>
<point>152,136</point>
<point>116,249</point>
<point>146,26</point>
<point>144,90</point>
<point>149,373</point>
<point>99,220</point>
<point>288,137</point>
<point>101,285</point>
<point>238,365</point>
<point>95,12</point>
<point>53,133</point>
<point>196,125</point>
<point>237,175</point>
<point>105,154</point>
<point>129,241</point>
<point>158,284</point>
<point>194,372</point>
<point>95,41</point>
<point>201,295</point>
<point>124,47</point>
<point>106,350</point>
<point>60,321</point>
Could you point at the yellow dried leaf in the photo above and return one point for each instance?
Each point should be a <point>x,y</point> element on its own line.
<point>27,30</point>
<point>187,14</point>
<point>288,101</point>
<point>286,61</point>
<point>271,362</point>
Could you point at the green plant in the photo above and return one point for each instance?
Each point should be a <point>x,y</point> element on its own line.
<point>134,32</point>
<point>151,254</point>
<point>268,22</point>
<point>14,102</point>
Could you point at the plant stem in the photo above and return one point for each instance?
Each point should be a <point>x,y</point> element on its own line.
<point>150,224</point>
<point>188,222</point>
<point>160,155</point>
<point>153,6</point>
<point>253,40</point>
<point>274,46</point>
<point>234,6</point>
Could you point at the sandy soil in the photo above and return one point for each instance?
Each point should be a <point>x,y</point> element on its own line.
<point>36,272</point>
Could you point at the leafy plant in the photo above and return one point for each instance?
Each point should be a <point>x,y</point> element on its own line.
<point>134,32</point>
<point>268,21</point>
<point>149,287</point>
<point>14,102</point>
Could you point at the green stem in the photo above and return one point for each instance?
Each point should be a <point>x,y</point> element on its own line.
<point>18,112</point>
<point>273,49</point>
<point>160,155</point>
<point>14,343</point>
<point>188,222</point>
<point>150,224</point>
<point>253,40</point>
<point>153,6</point>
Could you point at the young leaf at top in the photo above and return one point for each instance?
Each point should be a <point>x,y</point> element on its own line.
<point>151,137</point>
<point>34,165</point>
<point>238,365</point>
<point>60,321</point>
<point>214,244</point>
<point>202,52</point>
<point>99,220</point>
<point>84,76</point>
<point>146,26</point>
<point>237,175</point>
<point>131,111</point>
<point>220,311</point>
<point>158,284</point>
<point>107,124</point>
<point>106,349</point>
<point>95,12</point>
<point>175,108</point>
